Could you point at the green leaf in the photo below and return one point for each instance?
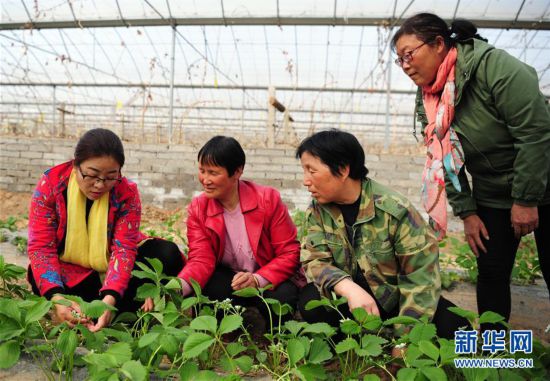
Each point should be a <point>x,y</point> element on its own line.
<point>207,375</point>
<point>196,287</point>
<point>9,308</point>
<point>422,332</point>
<point>422,363</point>
<point>244,363</point>
<point>188,371</point>
<point>148,338</point>
<point>196,343</point>
<point>156,264</point>
<point>509,375</point>
<point>346,345</point>
<point>371,345</point>
<point>9,354</point>
<point>311,372</point>
<point>407,374</point>
<point>248,292</point>
<point>9,328</point>
<point>350,327</point>
<point>407,320</point>
<point>67,342</point>
<point>147,290</point>
<point>433,373</point>
<point>235,348</point>
<point>230,323</point>
<point>294,326</point>
<point>371,377</point>
<point>295,351</point>
<point>188,303</point>
<point>319,351</point>
<point>204,323</point>
<point>144,274</point>
<point>359,314</point>
<point>470,315</point>
<point>37,311</point>
<point>134,370</point>
<point>447,351</point>
<point>319,328</point>
<point>372,323</point>
<point>169,344</point>
<point>101,360</point>
<point>173,284</point>
<point>121,352</point>
<point>490,317</point>
<point>95,309</point>
<point>317,303</point>
<point>429,349</point>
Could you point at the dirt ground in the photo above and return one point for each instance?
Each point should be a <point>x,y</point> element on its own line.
<point>15,204</point>
<point>530,304</point>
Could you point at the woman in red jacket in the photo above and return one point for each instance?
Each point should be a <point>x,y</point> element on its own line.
<point>240,233</point>
<point>84,232</point>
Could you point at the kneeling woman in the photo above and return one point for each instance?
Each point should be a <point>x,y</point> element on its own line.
<point>366,242</point>
<point>240,233</point>
<point>84,233</point>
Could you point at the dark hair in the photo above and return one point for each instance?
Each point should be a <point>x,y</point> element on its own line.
<point>336,149</point>
<point>223,151</point>
<point>427,26</point>
<point>99,142</point>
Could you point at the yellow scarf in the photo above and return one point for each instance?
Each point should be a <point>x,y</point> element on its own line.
<point>86,244</point>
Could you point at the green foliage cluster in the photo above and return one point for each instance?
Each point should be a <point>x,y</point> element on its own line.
<point>194,338</point>
<point>526,268</point>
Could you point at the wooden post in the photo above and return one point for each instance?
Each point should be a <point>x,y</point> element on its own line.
<point>271,118</point>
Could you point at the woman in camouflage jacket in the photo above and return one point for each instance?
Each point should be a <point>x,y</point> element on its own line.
<point>365,241</point>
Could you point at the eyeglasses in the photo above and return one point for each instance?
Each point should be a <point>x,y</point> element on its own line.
<point>95,179</point>
<point>407,56</point>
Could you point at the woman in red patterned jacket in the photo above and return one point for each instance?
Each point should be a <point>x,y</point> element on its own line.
<point>84,233</point>
<point>240,233</point>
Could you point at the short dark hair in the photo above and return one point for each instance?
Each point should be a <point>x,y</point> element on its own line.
<point>223,151</point>
<point>427,27</point>
<point>99,142</point>
<point>336,149</point>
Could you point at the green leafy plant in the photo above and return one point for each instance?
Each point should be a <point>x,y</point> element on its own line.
<point>9,223</point>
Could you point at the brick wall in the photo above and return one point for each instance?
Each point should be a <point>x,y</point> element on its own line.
<point>166,175</point>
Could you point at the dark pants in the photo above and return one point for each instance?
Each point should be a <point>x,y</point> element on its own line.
<point>219,288</point>
<point>165,251</point>
<point>496,265</point>
<point>445,321</point>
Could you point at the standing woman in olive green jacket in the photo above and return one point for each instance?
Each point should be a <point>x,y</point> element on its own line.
<point>481,110</point>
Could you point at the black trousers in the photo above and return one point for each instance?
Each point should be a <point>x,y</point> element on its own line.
<point>445,321</point>
<point>165,251</point>
<point>219,288</point>
<point>496,265</point>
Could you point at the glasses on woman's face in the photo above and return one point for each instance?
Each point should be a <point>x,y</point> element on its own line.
<point>92,180</point>
<point>407,57</point>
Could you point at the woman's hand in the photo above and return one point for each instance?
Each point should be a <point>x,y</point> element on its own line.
<point>148,305</point>
<point>105,319</point>
<point>474,230</point>
<point>524,219</point>
<point>70,314</point>
<point>243,280</point>
<point>357,297</point>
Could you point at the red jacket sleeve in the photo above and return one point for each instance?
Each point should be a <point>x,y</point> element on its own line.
<point>286,248</point>
<point>124,242</point>
<point>201,260</point>
<point>42,244</point>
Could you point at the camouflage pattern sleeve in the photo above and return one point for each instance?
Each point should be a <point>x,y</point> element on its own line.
<point>316,254</point>
<point>419,279</point>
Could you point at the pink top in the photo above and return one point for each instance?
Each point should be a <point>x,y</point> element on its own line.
<point>238,254</point>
